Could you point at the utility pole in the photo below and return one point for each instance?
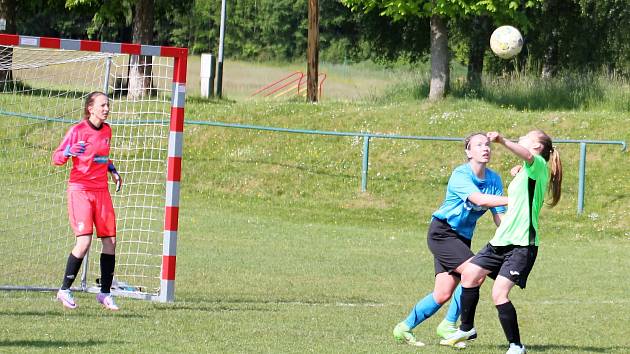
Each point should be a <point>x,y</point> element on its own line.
<point>312,51</point>
<point>220,63</point>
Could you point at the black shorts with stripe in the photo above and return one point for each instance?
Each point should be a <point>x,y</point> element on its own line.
<point>512,262</point>
<point>449,249</point>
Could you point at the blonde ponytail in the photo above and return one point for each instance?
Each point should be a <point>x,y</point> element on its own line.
<point>552,156</point>
<point>555,177</point>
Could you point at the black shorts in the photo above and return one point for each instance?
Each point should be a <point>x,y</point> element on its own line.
<point>449,249</point>
<point>512,262</point>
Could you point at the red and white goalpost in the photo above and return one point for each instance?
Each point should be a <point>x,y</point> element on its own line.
<point>43,83</point>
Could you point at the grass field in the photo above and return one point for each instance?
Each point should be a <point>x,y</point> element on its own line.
<point>280,252</point>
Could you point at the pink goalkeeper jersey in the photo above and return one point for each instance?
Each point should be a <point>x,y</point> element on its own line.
<point>89,170</point>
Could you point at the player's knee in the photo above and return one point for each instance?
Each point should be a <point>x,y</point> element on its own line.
<point>471,279</point>
<point>499,297</point>
<point>109,245</point>
<point>441,296</point>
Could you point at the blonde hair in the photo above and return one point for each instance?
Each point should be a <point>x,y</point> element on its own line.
<point>89,101</point>
<point>552,156</point>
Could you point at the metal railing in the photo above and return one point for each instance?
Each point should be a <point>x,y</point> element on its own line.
<point>366,143</point>
<point>295,83</point>
<point>366,147</point>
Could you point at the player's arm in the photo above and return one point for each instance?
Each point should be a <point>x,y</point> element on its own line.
<point>69,147</point>
<point>115,175</point>
<point>461,185</point>
<point>515,148</point>
<point>515,170</point>
<point>497,218</point>
<point>487,200</point>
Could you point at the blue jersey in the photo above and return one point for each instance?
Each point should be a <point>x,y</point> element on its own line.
<point>457,210</point>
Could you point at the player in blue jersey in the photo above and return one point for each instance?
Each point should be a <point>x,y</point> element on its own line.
<point>472,190</point>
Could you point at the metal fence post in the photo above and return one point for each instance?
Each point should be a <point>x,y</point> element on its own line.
<point>582,173</point>
<point>366,160</point>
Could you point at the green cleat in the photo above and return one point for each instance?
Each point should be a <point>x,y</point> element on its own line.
<point>446,329</point>
<point>402,334</point>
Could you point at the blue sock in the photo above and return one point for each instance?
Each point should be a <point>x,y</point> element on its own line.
<point>424,309</point>
<point>455,307</point>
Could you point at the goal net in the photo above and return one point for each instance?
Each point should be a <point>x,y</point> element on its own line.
<point>43,85</point>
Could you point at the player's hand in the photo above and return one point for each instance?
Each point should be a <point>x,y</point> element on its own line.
<point>515,170</point>
<point>117,180</point>
<point>74,150</point>
<point>115,176</point>
<point>495,137</point>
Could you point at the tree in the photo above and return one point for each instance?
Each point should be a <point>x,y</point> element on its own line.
<point>581,36</point>
<point>439,12</point>
<point>471,36</point>
<point>142,15</point>
<point>140,65</point>
<point>7,12</point>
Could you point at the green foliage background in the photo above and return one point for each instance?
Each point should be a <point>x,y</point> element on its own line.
<point>592,35</point>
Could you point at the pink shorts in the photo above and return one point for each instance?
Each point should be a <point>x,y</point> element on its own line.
<point>87,208</point>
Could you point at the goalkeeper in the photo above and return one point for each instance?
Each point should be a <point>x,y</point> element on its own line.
<point>89,202</point>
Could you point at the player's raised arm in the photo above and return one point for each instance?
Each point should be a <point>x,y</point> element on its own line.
<point>517,149</point>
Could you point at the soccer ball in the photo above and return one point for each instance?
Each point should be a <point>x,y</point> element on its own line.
<point>506,42</point>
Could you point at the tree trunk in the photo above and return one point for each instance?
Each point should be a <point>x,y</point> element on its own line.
<point>439,59</point>
<point>479,37</point>
<point>140,65</point>
<point>7,12</point>
<point>550,56</point>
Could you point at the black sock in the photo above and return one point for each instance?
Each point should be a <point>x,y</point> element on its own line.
<point>469,300</point>
<point>509,322</point>
<point>108,263</point>
<point>72,269</point>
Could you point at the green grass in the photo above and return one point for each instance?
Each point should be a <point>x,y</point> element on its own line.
<point>280,252</point>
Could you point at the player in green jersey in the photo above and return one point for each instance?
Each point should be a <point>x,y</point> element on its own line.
<point>510,255</point>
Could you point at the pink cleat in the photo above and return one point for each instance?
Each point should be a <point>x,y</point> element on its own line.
<point>107,300</point>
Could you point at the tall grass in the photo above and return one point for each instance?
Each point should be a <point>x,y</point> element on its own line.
<point>569,91</point>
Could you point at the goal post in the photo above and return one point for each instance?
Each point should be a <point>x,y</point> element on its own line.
<point>43,85</point>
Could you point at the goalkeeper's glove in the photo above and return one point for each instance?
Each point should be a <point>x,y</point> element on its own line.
<point>74,150</point>
<point>115,176</point>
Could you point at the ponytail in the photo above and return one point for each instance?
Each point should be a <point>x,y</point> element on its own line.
<point>552,156</point>
<point>555,177</point>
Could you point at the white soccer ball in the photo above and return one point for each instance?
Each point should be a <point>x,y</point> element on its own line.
<point>506,42</point>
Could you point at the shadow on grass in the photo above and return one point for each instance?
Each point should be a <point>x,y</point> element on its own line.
<point>217,307</point>
<point>21,87</point>
<point>554,348</point>
<point>57,343</point>
<point>64,313</point>
<point>209,100</point>
<point>263,305</point>
<point>577,348</point>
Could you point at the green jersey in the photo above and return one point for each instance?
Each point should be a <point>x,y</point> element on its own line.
<point>526,195</point>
